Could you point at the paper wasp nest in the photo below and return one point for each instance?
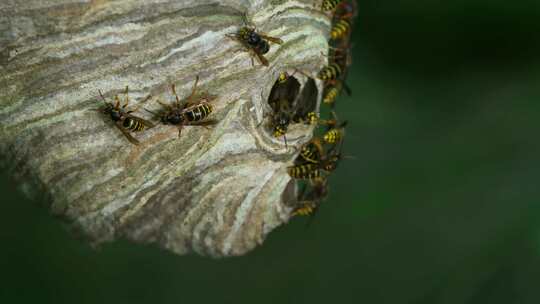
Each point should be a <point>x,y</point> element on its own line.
<point>216,191</point>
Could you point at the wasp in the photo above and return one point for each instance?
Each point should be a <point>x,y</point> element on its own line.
<point>333,89</point>
<point>310,152</point>
<point>335,130</point>
<point>340,29</point>
<point>305,208</point>
<point>281,100</point>
<point>309,202</point>
<point>123,119</point>
<point>342,21</point>
<point>188,112</point>
<point>313,161</point>
<point>257,43</point>
<point>306,104</point>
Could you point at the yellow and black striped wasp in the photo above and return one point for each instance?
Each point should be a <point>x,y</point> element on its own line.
<point>315,171</point>
<point>255,42</point>
<point>308,202</point>
<point>314,161</point>
<point>343,20</point>
<point>338,62</point>
<point>311,152</point>
<point>192,111</point>
<point>335,131</point>
<point>334,75</point>
<point>306,104</point>
<point>123,119</point>
<point>281,99</point>
<point>333,89</point>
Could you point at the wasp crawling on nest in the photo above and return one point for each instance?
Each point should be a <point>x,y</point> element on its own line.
<point>308,202</point>
<point>255,42</point>
<point>193,111</point>
<point>335,74</point>
<point>342,21</point>
<point>290,105</point>
<point>281,100</point>
<point>317,159</point>
<point>123,119</point>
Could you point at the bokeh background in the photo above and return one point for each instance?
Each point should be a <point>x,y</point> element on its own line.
<point>440,205</point>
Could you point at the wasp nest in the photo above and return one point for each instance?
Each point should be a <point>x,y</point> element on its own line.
<point>215,190</point>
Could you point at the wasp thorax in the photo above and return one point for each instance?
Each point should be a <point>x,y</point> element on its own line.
<point>116,115</point>
<point>173,119</point>
<point>253,38</point>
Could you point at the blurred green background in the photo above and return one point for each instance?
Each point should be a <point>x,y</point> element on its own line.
<point>439,206</point>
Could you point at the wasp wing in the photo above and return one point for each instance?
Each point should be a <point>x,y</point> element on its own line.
<point>145,122</point>
<point>126,133</point>
<point>283,90</point>
<point>307,102</point>
<point>270,38</point>
<point>203,123</point>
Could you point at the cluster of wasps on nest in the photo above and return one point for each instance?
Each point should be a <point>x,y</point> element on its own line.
<point>289,104</point>
<point>320,156</point>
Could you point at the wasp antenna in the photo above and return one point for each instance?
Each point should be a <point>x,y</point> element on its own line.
<point>127,97</point>
<point>102,97</point>
<point>117,105</point>
<point>193,90</point>
<point>146,99</point>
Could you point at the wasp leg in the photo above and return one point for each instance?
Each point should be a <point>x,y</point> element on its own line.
<point>178,102</point>
<point>117,104</point>
<point>261,58</point>
<point>247,21</point>
<point>180,126</point>
<point>102,97</point>
<point>127,97</point>
<point>193,91</point>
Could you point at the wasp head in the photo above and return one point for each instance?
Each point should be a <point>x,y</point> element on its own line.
<point>280,123</point>
<point>283,76</point>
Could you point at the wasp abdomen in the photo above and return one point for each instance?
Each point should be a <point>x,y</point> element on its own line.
<point>340,29</point>
<point>133,124</point>
<point>331,72</point>
<point>306,209</point>
<point>310,153</point>
<point>332,136</point>
<point>198,113</point>
<point>328,5</point>
<point>304,171</point>
<point>331,95</point>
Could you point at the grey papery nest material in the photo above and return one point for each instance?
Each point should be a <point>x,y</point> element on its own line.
<point>216,191</point>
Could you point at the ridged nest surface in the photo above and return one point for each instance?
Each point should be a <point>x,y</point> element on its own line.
<point>216,191</point>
